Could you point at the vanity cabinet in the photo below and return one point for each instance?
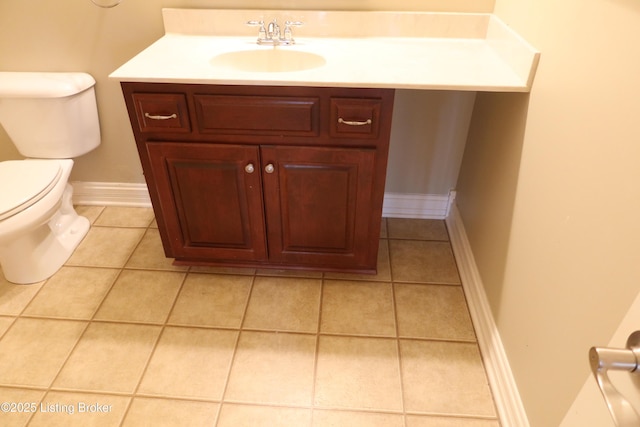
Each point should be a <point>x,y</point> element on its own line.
<point>282,177</point>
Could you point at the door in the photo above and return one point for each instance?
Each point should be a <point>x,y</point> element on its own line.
<point>211,197</point>
<point>318,205</point>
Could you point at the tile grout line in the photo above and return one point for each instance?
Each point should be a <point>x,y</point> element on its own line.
<point>397,326</point>
<point>155,345</point>
<point>51,387</point>
<point>91,320</point>
<point>47,389</point>
<point>316,355</point>
<point>6,332</point>
<point>223,395</point>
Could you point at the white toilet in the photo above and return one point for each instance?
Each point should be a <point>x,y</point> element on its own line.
<point>51,118</point>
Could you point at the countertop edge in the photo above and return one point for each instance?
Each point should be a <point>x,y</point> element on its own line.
<point>499,61</point>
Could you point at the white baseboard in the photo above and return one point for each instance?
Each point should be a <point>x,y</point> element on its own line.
<point>110,194</point>
<point>425,206</point>
<point>431,206</point>
<point>505,391</point>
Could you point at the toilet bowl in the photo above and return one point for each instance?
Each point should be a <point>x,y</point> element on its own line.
<point>51,118</point>
<point>39,228</point>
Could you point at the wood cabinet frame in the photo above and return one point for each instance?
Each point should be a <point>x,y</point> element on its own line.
<point>264,176</point>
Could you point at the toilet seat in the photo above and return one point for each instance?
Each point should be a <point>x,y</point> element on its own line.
<point>25,182</point>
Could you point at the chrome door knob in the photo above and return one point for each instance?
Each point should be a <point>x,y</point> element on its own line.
<point>608,359</point>
<point>249,168</point>
<point>269,168</point>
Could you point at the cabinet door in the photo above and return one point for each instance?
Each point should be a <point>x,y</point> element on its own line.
<point>211,197</point>
<point>319,205</point>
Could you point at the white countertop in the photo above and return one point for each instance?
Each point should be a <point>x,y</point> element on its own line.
<point>489,58</point>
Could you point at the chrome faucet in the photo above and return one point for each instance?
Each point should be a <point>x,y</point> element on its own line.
<point>271,34</point>
<point>273,30</point>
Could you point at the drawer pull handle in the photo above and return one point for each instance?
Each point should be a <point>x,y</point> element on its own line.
<point>354,123</point>
<point>269,168</point>
<point>249,168</point>
<point>153,117</point>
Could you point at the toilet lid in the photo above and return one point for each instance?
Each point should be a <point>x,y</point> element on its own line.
<point>24,182</point>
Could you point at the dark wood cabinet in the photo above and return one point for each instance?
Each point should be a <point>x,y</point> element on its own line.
<point>317,201</point>
<point>283,177</point>
<point>212,207</point>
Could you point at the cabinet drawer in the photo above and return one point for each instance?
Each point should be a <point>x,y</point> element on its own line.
<point>162,112</point>
<point>355,117</point>
<point>258,115</point>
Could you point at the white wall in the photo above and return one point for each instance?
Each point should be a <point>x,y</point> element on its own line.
<point>549,193</point>
<point>428,135</point>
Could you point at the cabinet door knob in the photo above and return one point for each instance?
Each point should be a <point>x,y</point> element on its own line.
<point>249,168</point>
<point>269,168</point>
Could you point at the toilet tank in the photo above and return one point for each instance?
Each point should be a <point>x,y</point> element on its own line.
<point>49,115</point>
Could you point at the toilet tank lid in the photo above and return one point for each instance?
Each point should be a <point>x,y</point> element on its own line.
<point>43,84</point>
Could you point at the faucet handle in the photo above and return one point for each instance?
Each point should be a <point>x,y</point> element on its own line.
<point>255,23</point>
<point>262,32</point>
<point>288,35</point>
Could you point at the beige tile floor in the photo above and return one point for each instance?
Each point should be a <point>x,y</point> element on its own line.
<point>120,337</point>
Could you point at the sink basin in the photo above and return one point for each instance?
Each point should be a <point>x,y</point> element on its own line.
<point>270,60</point>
